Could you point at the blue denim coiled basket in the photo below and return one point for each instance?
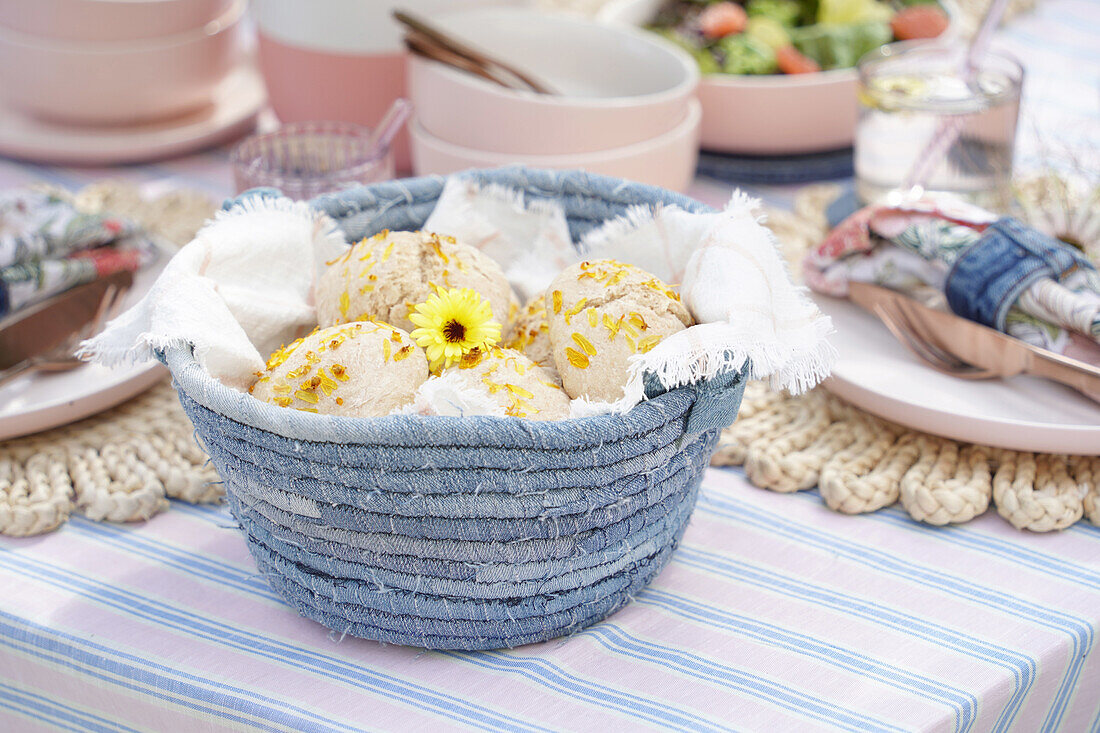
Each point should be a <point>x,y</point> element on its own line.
<point>462,533</point>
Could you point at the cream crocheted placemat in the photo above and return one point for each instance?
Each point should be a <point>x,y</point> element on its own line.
<point>123,465</point>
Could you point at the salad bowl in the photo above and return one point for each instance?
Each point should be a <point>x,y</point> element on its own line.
<point>767,114</point>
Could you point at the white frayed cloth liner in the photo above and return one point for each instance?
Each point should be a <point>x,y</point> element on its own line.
<point>244,286</point>
<point>241,288</point>
<point>449,394</point>
<point>529,239</point>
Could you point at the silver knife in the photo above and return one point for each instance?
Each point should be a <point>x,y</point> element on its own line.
<point>38,328</point>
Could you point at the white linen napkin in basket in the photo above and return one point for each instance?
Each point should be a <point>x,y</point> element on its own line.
<point>240,289</point>
<point>245,284</point>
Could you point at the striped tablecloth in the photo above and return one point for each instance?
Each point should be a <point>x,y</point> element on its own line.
<point>774,615</point>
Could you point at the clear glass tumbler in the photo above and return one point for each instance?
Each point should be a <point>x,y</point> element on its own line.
<point>307,159</point>
<point>923,126</point>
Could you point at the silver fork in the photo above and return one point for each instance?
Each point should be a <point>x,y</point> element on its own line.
<point>61,357</point>
<point>924,348</point>
<point>966,349</point>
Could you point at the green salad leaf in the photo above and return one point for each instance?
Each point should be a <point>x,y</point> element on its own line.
<point>847,12</point>
<point>840,46</point>
<point>784,12</point>
<point>769,32</point>
<point>744,55</point>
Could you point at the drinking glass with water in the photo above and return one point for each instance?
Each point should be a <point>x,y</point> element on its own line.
<point>925,124</point>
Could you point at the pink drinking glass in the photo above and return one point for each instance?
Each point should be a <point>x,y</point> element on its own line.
<point>307,159</point>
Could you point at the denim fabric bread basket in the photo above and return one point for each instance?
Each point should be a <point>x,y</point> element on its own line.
<point>462,532</point>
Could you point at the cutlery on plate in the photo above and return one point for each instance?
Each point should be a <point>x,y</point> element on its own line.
<point>43,337</point>
<point>965,349</point>
<point>427,40</point>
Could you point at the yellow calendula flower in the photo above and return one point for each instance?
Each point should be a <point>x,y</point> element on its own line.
<point>452,323</point>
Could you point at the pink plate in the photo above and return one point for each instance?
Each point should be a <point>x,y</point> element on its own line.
<point>237,101</point>
<point>877,374</point>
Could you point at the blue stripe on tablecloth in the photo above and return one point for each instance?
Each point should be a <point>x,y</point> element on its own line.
<point>962,702</point>
<point>225,573</point>
<point>59,714</point>
<point>13,705</point>
<point>553,677</point>
<point>1037,560</point>
<point>165,553</point>
<point>616,640</point>
<point>166,616</point>
<point>1085,529</point>
<point>1077,629</point>
<point>1022,666</point>
<point>109,665</point>
<point>228,574</point>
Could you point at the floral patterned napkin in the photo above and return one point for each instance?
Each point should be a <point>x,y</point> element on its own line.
<point>47,246</point>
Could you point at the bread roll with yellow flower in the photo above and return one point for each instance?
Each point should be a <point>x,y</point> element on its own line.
<point>530,334</point>
<point>361,369</point>
<point>601,313</point>
<point>385,276</point>
<point>509,382</point>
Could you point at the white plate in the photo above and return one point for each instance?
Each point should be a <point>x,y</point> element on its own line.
<point>877,374</point>
<point>36,402</point>
<point>237,101</point>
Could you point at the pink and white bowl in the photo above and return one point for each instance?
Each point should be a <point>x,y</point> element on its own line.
<point>667,160</point>
<point>613,86</point>
<point>766,115</point>
<point>131,78</point>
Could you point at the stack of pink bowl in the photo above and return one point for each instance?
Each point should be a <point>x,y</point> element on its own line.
<point>95,62</point>
<point>624,102</point>
<point>338,59</point>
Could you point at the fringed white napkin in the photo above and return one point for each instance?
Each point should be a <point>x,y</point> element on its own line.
<point>239,290</point>
<point>529,238</point>
<point>244,286</point>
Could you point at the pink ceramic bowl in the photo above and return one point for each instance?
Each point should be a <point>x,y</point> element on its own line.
<point>337,59</point>
<point>765,115</point>
<point>108,20</point>
<point>119,82</point>
<point>667,160</point>
<point>615,86</point>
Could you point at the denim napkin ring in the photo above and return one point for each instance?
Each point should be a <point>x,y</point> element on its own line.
<point>1009,257</point>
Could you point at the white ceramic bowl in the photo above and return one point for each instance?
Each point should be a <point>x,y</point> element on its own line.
<point>615,86</point>
<point>667,160</point>
<point>108,20</point>
<point>119,82</point>
<point>765,115</point>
